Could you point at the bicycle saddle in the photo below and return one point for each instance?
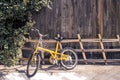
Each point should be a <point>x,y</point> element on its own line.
<point>58,38</point>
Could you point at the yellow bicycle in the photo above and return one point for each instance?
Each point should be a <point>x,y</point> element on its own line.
<point>67,57</point>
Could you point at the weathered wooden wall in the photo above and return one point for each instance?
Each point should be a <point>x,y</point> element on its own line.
<point>87,17</point>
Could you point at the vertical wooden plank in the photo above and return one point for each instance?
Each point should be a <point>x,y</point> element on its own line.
<point>100,16</point>
<point>58,18</point>
<point>94,21</point>
<point>118,17</point>
<point>63,16</point>
<point>102,47</point>
<point>52,29</point>
<point>70,18</point>
<point>82,48</point>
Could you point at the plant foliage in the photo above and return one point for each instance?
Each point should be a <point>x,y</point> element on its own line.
<point>15,21</point>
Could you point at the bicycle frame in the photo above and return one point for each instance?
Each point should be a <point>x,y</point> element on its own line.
<point>38,48</point>
<point>53,53</point>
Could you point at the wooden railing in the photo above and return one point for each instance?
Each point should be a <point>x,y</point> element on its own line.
<point>81,49</point>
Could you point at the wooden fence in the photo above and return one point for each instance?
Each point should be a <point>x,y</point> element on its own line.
<point>87,17</point>
<point>82,50</point>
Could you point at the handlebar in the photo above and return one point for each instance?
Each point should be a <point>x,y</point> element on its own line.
<point>58,38</point>
<point>41,35</point>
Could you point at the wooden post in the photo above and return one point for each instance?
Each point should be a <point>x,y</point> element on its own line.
<point>118,37</point>
<point>102,47</point>
<point>83,52</point>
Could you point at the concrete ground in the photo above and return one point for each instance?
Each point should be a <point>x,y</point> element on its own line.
<point>80,72</point>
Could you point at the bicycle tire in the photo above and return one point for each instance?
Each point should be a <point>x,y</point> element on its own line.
<point>72,61</point>
<point>33,65</point>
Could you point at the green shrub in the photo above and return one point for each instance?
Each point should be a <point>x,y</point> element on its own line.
<point>15,22</point>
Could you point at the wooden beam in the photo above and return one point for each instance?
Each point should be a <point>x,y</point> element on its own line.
<point>102,47</point>
<point>76,40</point>
<point>98,50</point>
<point>82,48</point>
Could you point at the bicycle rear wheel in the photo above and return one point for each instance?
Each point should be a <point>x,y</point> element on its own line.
<point>33,64</point>
<point>69,58</point>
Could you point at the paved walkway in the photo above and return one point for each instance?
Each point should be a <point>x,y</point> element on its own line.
<point>81,72</point>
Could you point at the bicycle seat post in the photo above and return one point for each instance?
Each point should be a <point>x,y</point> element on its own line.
<point>58,35</point>
<point>41,41</point>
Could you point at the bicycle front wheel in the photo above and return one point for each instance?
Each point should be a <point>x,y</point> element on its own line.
<point>33,64</point>
<point>69,58</point>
